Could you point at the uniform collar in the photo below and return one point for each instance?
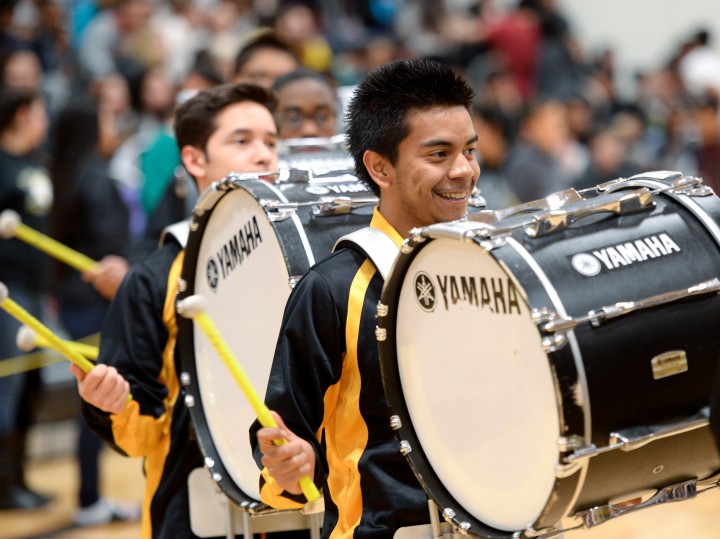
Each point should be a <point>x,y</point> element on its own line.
<point>378,221</point>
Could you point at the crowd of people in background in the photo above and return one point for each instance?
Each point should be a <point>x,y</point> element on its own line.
<point>548,106</point>
<point>547,112</point>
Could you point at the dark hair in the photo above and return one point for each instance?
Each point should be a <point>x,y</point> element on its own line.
<point>77,133</point>
<point>195,118</point>
<point>301,74</point>
<point>11,101</point>
<point>377,114</point>
<point>266,40</point>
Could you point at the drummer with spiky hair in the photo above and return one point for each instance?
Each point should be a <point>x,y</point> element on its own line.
<point>226,129</point>
<point>412,139</point>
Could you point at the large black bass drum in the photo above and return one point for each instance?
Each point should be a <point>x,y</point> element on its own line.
<point>251,239</point>
<point>552,368</point>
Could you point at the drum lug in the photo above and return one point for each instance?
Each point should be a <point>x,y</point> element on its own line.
<point>275,216</point>
<point>185,378</point>
<point>380,334</point>
<point>182,285</point>
<point>189,401</point>
<point>405,447</point>
<point>382,310</point>
<point>395,422</point>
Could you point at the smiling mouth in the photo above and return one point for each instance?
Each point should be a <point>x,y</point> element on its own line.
<point>461,195</point>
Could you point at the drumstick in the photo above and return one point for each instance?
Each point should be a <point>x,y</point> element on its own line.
<point>11,225</point>
<point>17,312</point>
<point>194,307</point>
<point>27,340</point>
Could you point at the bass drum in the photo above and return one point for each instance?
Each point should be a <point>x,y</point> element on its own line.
<point>250,242</point>
<point>557,364</point>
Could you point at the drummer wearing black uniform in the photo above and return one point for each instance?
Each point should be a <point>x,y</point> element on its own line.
<point>413,142</point>
<point>222,130</point>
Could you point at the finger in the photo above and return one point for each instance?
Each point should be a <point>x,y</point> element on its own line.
<point>77,372</point>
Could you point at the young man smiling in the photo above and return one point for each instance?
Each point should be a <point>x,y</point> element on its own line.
<point>413,142</point>
<point>225,129</point>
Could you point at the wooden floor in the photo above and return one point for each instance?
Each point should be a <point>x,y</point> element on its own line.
<point>122,480</point>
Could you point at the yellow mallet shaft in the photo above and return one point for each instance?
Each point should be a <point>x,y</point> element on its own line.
<point>27,340</point>
<point>194,307</point>
<point>10,225</point>
<point>17,312</point>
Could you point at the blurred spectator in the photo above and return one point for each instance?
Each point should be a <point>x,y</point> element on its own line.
<point>263,60</point>
<point>157,98</point>
<point>514,38</point>
<point>121,39</point>
<point>307,105</point>
<point>608,160</point>
<point>534,169</point>
<point>494,141</point>
<point>20,68</point>
<point>298,25</point>
<point>26,189</point>
<point>699,66</point>
<point>229,25</point>
<point>705,116</point>
<point>89,216</point>
<point>561,69</point>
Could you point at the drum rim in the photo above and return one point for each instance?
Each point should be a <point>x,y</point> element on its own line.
<point>186,346</point>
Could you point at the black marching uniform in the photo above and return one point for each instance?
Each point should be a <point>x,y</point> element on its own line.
<point>326,384</point>
<point>138,338</point>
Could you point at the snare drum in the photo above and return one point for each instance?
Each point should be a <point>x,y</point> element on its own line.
<point>249,242</point>
<point>557,364</point>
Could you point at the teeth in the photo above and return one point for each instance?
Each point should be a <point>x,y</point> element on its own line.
<point>453,196</point>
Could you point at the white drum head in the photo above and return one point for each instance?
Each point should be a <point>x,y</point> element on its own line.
<point>242,272</point>
<point>486,417</point>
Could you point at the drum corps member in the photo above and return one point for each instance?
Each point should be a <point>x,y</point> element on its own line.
<point>413,141</point>
<point>226,129</point>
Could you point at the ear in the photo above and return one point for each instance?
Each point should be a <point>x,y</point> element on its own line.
<point>194,160</point>
<point>379,168</point>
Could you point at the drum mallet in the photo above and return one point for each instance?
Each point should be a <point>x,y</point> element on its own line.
<point>27,340</point>
<point>12,226</point>
<point>17,312</point>
<point>194,307</point>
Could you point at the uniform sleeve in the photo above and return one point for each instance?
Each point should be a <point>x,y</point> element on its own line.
<point>133,340</point>
<point>307,363</point>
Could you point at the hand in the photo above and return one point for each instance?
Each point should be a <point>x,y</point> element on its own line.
<point>103,387</point>
<point>289,462</point>
<point>107,275</point>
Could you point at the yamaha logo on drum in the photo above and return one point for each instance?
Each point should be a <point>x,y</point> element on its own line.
<point>233,252</point>
<point>212,274</point>
<point>496,295</point>
<point>624,254</point>
<point>337,188</point>
<point>425,292</point>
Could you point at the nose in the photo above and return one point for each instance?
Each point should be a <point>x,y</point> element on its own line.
<point>264,155</point>
<point>309,128</point>
<point>464,168</point>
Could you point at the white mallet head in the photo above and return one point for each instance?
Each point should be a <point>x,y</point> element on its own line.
<point>26,339</point>
<point>3,292</point>
<point>9,222</point>
<point>192,306</point>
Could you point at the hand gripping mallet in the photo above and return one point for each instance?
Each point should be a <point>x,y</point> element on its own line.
<point>194,307</point>
<point>12,226</point>
<point>20,314</point>
<point>27,340</point>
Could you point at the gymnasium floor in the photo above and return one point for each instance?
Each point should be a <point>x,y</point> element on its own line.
<point>53,470</point>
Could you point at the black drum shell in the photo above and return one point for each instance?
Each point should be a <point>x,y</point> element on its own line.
<point>615,357</point>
